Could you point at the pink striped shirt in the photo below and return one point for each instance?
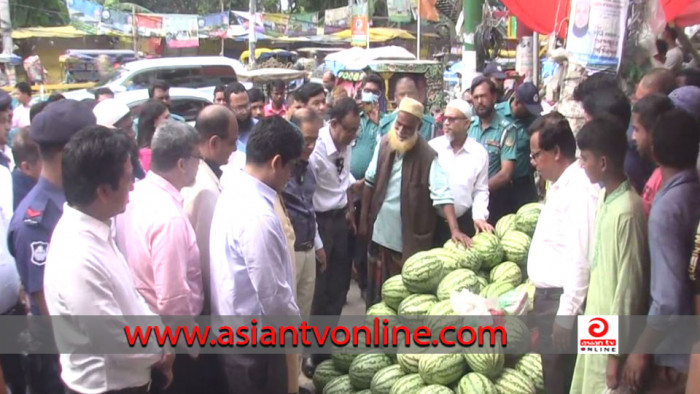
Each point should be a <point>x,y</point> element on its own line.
<point>160,246</point>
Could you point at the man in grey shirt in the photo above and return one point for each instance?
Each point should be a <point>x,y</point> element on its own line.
<point>674,55</point>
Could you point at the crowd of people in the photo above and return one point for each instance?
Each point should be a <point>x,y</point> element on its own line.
<point>271,206</point>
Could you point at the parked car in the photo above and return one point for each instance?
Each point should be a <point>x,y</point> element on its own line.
<point>183,101</point>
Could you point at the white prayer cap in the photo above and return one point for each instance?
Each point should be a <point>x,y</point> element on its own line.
<point>462,106</point>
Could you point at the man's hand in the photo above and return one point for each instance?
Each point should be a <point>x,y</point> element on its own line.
<point>356,187</point>
<point>165,367</point>
<point>636,367</point>
<point>482,226</point>
<point>612,372</point>
<point>321,258</point>
<point>460,237</point>
<point>350,219</point>
<point>561,337</point>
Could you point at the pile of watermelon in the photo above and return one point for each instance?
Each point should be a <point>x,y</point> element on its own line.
<point>493,267</point>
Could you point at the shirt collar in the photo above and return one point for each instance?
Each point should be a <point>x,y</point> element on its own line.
<point>164,185</point>
<point>102,230</point>
<point>497,118</point>
<point>466,147</point>
<point>214,167</point>
<point>622,189</point>
<point>327,140</point>
<point>267,192</point>
<point>567,176</point>
<point>684,176</point>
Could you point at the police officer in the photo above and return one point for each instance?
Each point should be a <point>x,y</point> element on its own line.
<point>35,218</point>
<point>522,110</point>
<point>497,135</point>
<point>494,71</point>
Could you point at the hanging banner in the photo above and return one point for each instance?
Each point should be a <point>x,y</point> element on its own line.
<point>149,25</point>
<point>303,24</point>
<point>274,25</point>
<point>399,11</point>
<point>84,10</point>
<point>596,33</point>
<point>114,20</point>
<point>181,31</point>
<point>213,22</point>
<point>336,20</point>
<point>360,26</point>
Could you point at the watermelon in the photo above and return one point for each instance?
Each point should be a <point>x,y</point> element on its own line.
<point>455,281</point>
<point>514,382</point>
<point>409,384</point>
<point>417,304</point>
<point>442,308</point>
<point>507,272</point>
<point>505,224</point>
<point>526,218</point>
<point>342,361</point>
<point>488,248</point>
<point>409,362</point>
<point>385,378</point>
<point>518,335</point>
<point>422,273</point>
<point>364,367</point>
<point>475,383</point>
<point>435,389</point>
<point>455,247</point>
<point>442,369</point>
<point>516,246</point>
<point>482,282</point>
<point>339,385</point>
<point>530,365</point>
<point>489,362</point>
<point>472,260</point>
<point>496,289</point>
<point>529,288</point>
<point>381,309</point>
<point>451,260</point>
<point>394,291</point>
<point>365,391</point>
<point>324,373</point>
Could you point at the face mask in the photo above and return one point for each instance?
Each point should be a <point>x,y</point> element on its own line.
<point>369,97</point>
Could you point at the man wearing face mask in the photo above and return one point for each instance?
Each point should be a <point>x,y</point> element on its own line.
<point>406,87</point>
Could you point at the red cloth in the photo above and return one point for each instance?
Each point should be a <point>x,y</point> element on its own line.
<point>543,17</point>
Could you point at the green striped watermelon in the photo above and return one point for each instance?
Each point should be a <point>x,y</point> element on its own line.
<point>422,273</point>
<point>442,369</point>
<point>364,367</point>
<point>451,259</point>
<point>417,304</point>
<point>385,379</point>
<point>380,309</point>
<point>454,246</point>
<point>489,361</point>
<point>518,335</point>
<point>531,366</point>
<point>409,361</point>
<point>505,224</point>
<point>324,373</point>
<point>496,289</point>
<point>488,248</point>
<point>441,308</point>
<point>394,291</point>
<point>365,391</point>
<point>435,389</point>
<point>455,281</point>
<point>409,384</point>
<point>529,288</point>
<point>516,246</point>
<point>342,361</point>
<point>526,218</point>
<point>507,272</point>
<point>471,260</point>
<point>475,383</point>
<point>339,385</point>
<point>481,282</point>
<point>514,382</point>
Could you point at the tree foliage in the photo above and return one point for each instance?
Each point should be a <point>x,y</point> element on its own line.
<point>29,13</point>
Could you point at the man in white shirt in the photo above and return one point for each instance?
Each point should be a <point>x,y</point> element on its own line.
<point>86,275</point>
<point>251,268</point>
<point>20,116</point>
<point>674,54</point>
<point>467,165</point>
<point>558,262</point>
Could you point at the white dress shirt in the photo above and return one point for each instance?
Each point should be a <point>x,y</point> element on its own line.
<point>9,278</point>
<point>559,252</point>
<point>20,116</point>
<point>331,187</point>
<point>468,174</point>
<point>86,275</point>
<point>251,269</point>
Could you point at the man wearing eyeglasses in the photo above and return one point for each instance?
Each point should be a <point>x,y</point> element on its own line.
<point>239,102</point>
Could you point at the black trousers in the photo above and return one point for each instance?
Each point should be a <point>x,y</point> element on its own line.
<point>442,230</point>
<point>558,368</point>
<point>332,285</point>
<point>12,364</point>
<point>254,373</point>
<point>44,374</point>
<point>523,191</point>
<point>190,375</point>
<point>358,250</point>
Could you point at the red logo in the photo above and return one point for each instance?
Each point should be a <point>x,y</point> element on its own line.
<point>597,330</point>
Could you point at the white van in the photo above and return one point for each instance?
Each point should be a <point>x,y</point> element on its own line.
<point>196,72</point>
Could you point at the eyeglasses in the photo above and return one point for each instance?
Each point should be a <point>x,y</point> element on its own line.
<point>453,118</point>
<point>535,155</point>
<point>340,164</point>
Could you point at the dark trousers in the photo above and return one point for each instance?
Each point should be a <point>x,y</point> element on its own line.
<point>332,285</point>
<point>558,368</point>
<point>359,252</point>
<point>442,229</point>
<point>12,364</point>
<point>255,373</point>
<point>44,374</point>
<point>190,375</point>
<point>523,191</point>
<point>499,204</point>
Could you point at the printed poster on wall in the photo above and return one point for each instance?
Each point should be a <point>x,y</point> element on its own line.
<point>84,10</point>
<point>399,10</point>
<point>181,31</point>
<point>360,26</point>
<point>149,25</point>
<point>214,24</point>
<point>117,21</point>
<point>303,24</point>
<point>336,20</point>
<point>275,25</point>
<point>597,30</point>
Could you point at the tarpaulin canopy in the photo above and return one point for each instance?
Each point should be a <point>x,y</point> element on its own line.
<point>379,34</point>
<point>67,31</point>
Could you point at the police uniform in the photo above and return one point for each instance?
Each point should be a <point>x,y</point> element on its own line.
<point>32,225</point>
<point>427,127</point>
<point>499,141</point>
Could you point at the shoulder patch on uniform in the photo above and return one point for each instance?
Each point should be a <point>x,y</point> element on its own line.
<point>509,142</point>
<point>39,252</point>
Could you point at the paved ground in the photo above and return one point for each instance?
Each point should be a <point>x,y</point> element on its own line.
<point>355,305</point>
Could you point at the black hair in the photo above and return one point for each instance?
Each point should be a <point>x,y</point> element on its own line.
<point>278,84</point>
<point>273,136</point>
<point>480,80</point>
<point>159,84</point>
<point>103,92</point>
<point>611,101</point>
<point>304,116</point>
<point>650,108</point>
<point>36,109</point>
<point>255,95</point>
<point>692,76</point>
<point>234,88</point>
<point>343,108</point>
<point>605,136</point>
<point>24,88</point>
<point>661,47</point>
<point>375,79</point>
<point>94,156</point>
<point>672,32</point>
<point>594,84</point>
<point>55,97</point>
<point>660,80</point>
<point>554,131</point>
<point>214,123</point>
<point>24,148</point>
<point>292,97</point>
<point>309,90</point>
<point>150,111</point>
<point>675,138</point>
<point>219,88</point>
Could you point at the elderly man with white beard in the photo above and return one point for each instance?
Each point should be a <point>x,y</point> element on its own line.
<point>403,184</point>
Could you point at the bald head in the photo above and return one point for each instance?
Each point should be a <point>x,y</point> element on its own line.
<point>218,129</point>
<point>328,80</point>
<point>304,116</point>
<point>658,80</point>
<point>405,87</point>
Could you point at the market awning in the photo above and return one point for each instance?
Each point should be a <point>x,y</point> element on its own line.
<point>379,34</point>
<point>67,31</point>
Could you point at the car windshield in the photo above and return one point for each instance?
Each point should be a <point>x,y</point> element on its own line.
<point>112,76</point>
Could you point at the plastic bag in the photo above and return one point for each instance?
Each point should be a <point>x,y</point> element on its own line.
<point>514,302</point>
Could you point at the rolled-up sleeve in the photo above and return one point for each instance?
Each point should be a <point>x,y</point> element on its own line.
<point>440,191</point>
<point>371,174</point>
